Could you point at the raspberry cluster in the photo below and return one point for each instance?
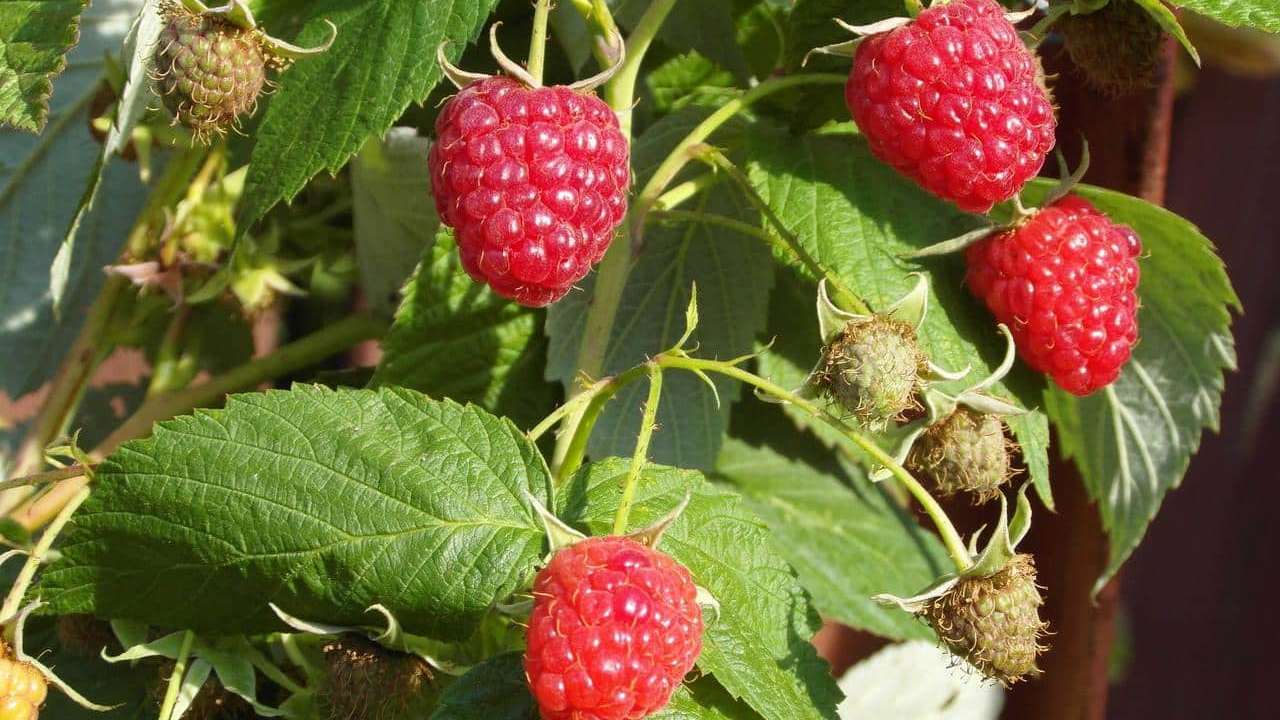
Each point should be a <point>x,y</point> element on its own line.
<point>1065,282</point>
<point>534,182</point>
<point>615,628</point>
<point>956,102</point>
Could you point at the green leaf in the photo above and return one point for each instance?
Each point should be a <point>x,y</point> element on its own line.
<point>846,543</point>
<point>497,690</point>
<point>733,274</point>
<point>394,217</point>
<point>758,648</point>
<point>1168,22</point>
<point>323,502</point>
<point>1260,14</point>
<point>1133,440</point>
<point>704,699</point>
<point>857,217</point>
<point>811,24</point>
<point>383,60</point>
<point>34,39</point>
<point>493,690</point>
<point>454,337</point>
<point>35,219</point>
<point>683,79</point>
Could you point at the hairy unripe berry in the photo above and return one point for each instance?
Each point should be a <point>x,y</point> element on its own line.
<point>993,622</point>
<point>956,102</point>
<point>1065,282</point>
<point>534,182</point>
<point>22,689</point>
<point>85,635</point>
<point>965,452</point>
<point>369,682</point>
<point>209,71</point>
<point>615,627</point>
<point>1117,48</point>
<point>872,370</point>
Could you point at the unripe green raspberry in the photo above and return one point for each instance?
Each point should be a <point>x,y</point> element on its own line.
<point>369,682</point>
<point>965,452</point>
<point>1117,48</point>
<point>872,370</point>
<point>209,71</point>
<point>993,622</point>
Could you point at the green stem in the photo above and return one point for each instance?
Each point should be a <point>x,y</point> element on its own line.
<point>728,223</point>
<point>680,155</point>
<point>576,405</point>
<point>641,454</point>
<point>681,192</point>
<point>611,276</point>
<point>13,601</point>
<point>47,476</point>
<point>950,537</point>
<point>844,296</point>
<point>538,42</point>
<point>179,673</point>
<point>576,437</point>
<point>620,91</point>
<point>914,7</point>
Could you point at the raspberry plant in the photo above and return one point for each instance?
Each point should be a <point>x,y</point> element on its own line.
<point>441,409</point>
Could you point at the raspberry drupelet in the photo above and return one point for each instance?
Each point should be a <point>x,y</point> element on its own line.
<point>955,102</point>
<point>533,181</point>
<point>615,628</point>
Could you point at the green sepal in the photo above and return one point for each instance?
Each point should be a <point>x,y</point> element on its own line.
<point>1002,545</point>
<point>1168,22</point>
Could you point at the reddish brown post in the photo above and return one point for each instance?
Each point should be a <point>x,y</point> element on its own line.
<point>1129,144</point>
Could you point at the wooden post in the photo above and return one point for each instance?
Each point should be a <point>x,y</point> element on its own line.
<point>1129,144</point>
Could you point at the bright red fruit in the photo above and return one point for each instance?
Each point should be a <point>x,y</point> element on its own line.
<point>1065,282</point>
<point>533,181</point>
<point>615,628</point>
<point>956,102</point>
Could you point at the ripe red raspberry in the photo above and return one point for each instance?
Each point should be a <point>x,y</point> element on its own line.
<point>534,182</point>
<point>615,627</point>
<point>956,102</point>
<point>1065,282</point>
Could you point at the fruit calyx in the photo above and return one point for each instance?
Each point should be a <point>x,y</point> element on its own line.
<point>614,49</point>
<point>847,48</point>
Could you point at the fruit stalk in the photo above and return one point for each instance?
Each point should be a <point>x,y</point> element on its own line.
<point>641,454</point>
<point>612,273</point>
<point>538,41</point>
<point>950,537</point>
<point>175,680</point>
<point>13,601</point>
